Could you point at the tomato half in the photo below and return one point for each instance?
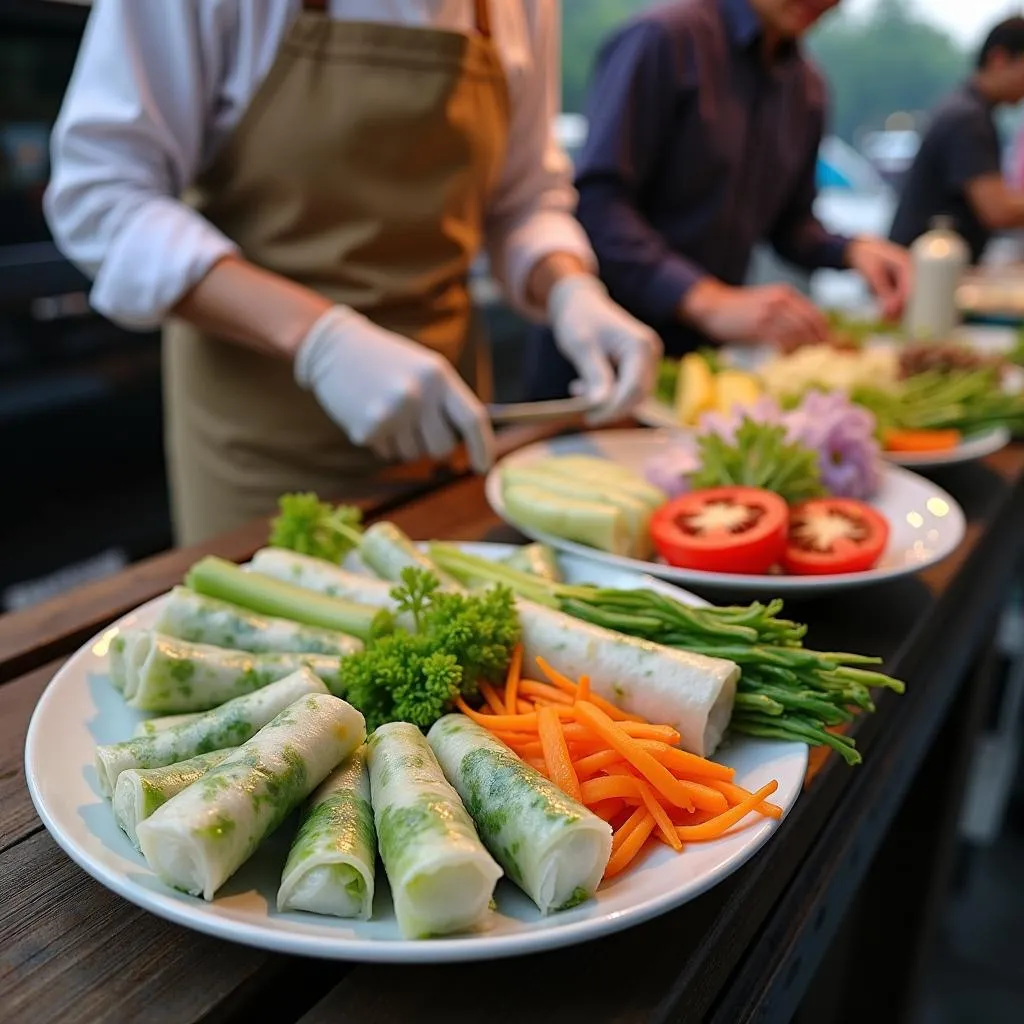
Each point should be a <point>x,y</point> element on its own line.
<point>722,529</point>
<point>833,535</point>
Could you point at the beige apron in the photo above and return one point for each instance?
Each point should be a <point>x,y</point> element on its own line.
<point>360,169</point>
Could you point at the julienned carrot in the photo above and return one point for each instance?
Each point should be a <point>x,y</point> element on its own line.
<point>546,690</point>
<point>608,787</point>
<point>583,690</point>
<point>618,739</point>
<point>661,818</point>
<point>627,826</point>
<point>684,761</point>
<point>515,667</point>
<point>638,730</point>
<point>565,683</point>
<point>494,702</point>
<point>716,826</point>
<point>630,847</point>
<point>556,753</point>
<point>609,809</point>
<point>524,707</point>
<point>736,794</point>
<point>594,763</point>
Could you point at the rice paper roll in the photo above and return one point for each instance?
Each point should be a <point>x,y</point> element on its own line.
<point>552,847</point>
<point>321,576</point>
<point>691,692</point>
<point>538,560</point>
<point>187,615</point>
<point>198,839</point>
<point>119,654</point>
<point>140,791</point>
<point>227,726</point>
<point>330,867</point>
<point>151,726</point>
<point>441,876</point>
<point>176,676</point>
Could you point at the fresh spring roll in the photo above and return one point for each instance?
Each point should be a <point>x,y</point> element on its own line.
<point>331,863</point>
<point>119,655</point>
<point>151,726</point>
<point>323,577</point>
<point>552,847</point>
<point>691,692</point>
<point>538,560</point>
<point>198,839</point>
<point>387,551</point>
<point>140,791</point>
<point>227,726</point>
<point>175,676</point>
<point>441,876</point>
<point>187,615</point>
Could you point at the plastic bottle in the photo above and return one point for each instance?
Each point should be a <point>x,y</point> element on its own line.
<point>940,257</point>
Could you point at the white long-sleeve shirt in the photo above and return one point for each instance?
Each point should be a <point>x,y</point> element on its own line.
<point>160,84</point>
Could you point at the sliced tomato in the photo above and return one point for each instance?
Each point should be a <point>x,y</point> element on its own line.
<point>834,535</point>
<point>722,529</point>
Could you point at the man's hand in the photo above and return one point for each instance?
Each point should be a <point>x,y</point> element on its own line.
<point>886,268</point>
<point>775,313</point>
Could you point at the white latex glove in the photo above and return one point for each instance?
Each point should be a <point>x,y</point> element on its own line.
<point>615,354</point>
<point>388,393</point>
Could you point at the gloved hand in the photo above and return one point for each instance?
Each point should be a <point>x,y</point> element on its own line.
<point>396,397</point>
<point>615,354</point>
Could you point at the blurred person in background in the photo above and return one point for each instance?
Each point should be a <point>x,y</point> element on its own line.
<point>705,122</point>
<point>303,187</point>
<point>958,169</point>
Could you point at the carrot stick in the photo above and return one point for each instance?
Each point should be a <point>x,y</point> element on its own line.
<point>494,702</point>
<point>638,730</point>
<point>683,761</point>
<point>716,826</point>
<point>655,773</point>
<point>736,794</point>
<point>666,827</point>
<point>515,668</point>
<point>526,723</point>
<point>704,798</point>
<point>545,690</point>
<point>538,763</point>
<point>629,847</point>
<point>594,763</point>
<point>566,684</point>
<point>556,753</point>
<point>608,786</point>
<point>583,690</point>
<point>608,809</point>
<point>524,707</point>
<point>627,826</point>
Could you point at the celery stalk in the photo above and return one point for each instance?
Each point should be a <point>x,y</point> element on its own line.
<point>218,578</point>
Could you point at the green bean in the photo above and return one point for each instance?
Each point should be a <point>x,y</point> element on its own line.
<point>759,702</point>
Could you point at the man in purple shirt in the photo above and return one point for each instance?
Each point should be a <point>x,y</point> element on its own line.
<point>705,121</point>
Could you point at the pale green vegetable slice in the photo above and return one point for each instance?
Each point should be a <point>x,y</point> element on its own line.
<point>538,560</point>
<point>330,867</point>
<point>387,551</point>
<point>176,676</point>
<point>552,847</point>
<point>568,485</point>
<point>227,726</point>
<point>187,615</point>
<point>140,791</point>
<point>598,524</point>
<point>441,875</point>
<point>198,839</point>
<point>590,467</point>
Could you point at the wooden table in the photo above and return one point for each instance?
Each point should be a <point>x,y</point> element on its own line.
<point>70,951</point>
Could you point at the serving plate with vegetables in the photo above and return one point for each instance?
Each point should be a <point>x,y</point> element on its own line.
<point>756,503</point>
<point>381,765</point>
<point>934,404</point>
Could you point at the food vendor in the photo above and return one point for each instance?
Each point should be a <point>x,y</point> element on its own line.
<point>704,125</point>
<point>300,189</point>
<point>957,171</point>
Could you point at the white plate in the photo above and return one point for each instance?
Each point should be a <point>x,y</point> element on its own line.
<point>653,413</point>
<point>80,708</point>
<point>925,523</point>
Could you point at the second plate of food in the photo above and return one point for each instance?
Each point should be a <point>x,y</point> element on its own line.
<point>925,523</point>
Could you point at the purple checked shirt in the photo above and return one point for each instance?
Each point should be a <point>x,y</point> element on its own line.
<point>697,150</point>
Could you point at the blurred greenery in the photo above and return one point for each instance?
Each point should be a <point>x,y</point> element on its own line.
<point>886,61</point>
